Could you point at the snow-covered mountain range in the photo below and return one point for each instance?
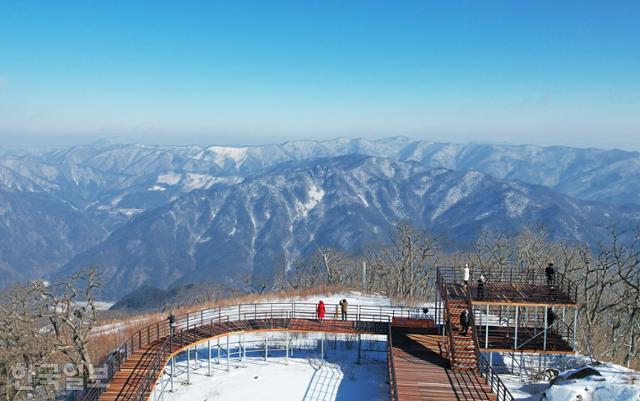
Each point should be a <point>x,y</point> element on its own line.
<point>157,215</point>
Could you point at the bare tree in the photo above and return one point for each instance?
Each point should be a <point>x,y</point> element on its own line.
<point>24,348</point>
<point>69,307</point>
<point>406,264</point>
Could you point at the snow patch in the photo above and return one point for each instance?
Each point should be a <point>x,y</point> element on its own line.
<point>223,153</point>
<point>157,188</point>
<point>314,197</point>
<point>131,212</point>
<point>169,178</point>
<point>458,192</point>
<point>515,204</point>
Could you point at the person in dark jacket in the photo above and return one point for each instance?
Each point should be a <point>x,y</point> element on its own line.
<point>464,322</point>
<point>172,323</point>
<point>320,310</point>
<point>550,272</point>
<point>551,317</point>
<point>480,286</point>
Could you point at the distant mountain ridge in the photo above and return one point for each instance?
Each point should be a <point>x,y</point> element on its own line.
<point>246,232</point>
<point>70,204</point>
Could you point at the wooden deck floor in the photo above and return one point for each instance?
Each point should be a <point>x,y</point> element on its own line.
<point>512,294</point>
<point>128,382</point>
<point>422,373</point>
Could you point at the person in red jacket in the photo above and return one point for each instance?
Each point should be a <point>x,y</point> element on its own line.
<point>320,310</point>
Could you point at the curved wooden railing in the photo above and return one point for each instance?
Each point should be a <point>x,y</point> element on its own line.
<point>284,310</point>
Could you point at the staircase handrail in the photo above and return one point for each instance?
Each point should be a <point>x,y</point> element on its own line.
<point>442,285</point>
<point>548,330</point>
<point>493,379</point>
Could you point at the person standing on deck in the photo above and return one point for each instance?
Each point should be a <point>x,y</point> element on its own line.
<point>550,272</point>
<point>320,310</point>
<point>551,317</point>
<point>466,275</point>
<point>464,322</point>
<point>172,323</point>
<point>345,308</point>
<point>480,288</point>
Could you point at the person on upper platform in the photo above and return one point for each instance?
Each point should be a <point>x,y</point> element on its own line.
<point>466,273</point>
<point>480,286</point>
<point>550,272</point>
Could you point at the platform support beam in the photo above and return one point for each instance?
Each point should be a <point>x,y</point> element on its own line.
<point>575,327</point>
<point>486,331</point>
<point>188,365</point>
<point>515,330</point>
<point>244,352</point>
<point>173,362</point>
<point>359,347</point>
<point>286,346</point>
<point>228,354</point>
<point>209,357</point>
<point>546,328</point>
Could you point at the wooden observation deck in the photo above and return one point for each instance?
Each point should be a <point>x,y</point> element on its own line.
<point>419,360</point>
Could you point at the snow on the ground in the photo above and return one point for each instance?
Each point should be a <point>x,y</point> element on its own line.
<point>352,297</point>
<point>303,377</point>
<point>616,383</point>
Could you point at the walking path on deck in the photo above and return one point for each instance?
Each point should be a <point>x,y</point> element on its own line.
<point>128,384</point>
<point>422,373</point>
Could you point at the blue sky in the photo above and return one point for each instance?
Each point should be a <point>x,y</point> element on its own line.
<point>239,72</point>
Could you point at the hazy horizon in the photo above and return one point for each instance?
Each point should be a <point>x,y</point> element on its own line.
<point>252,72</point>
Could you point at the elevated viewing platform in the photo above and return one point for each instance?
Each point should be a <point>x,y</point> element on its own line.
<point>515,287</point>
<point>514,311</point>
